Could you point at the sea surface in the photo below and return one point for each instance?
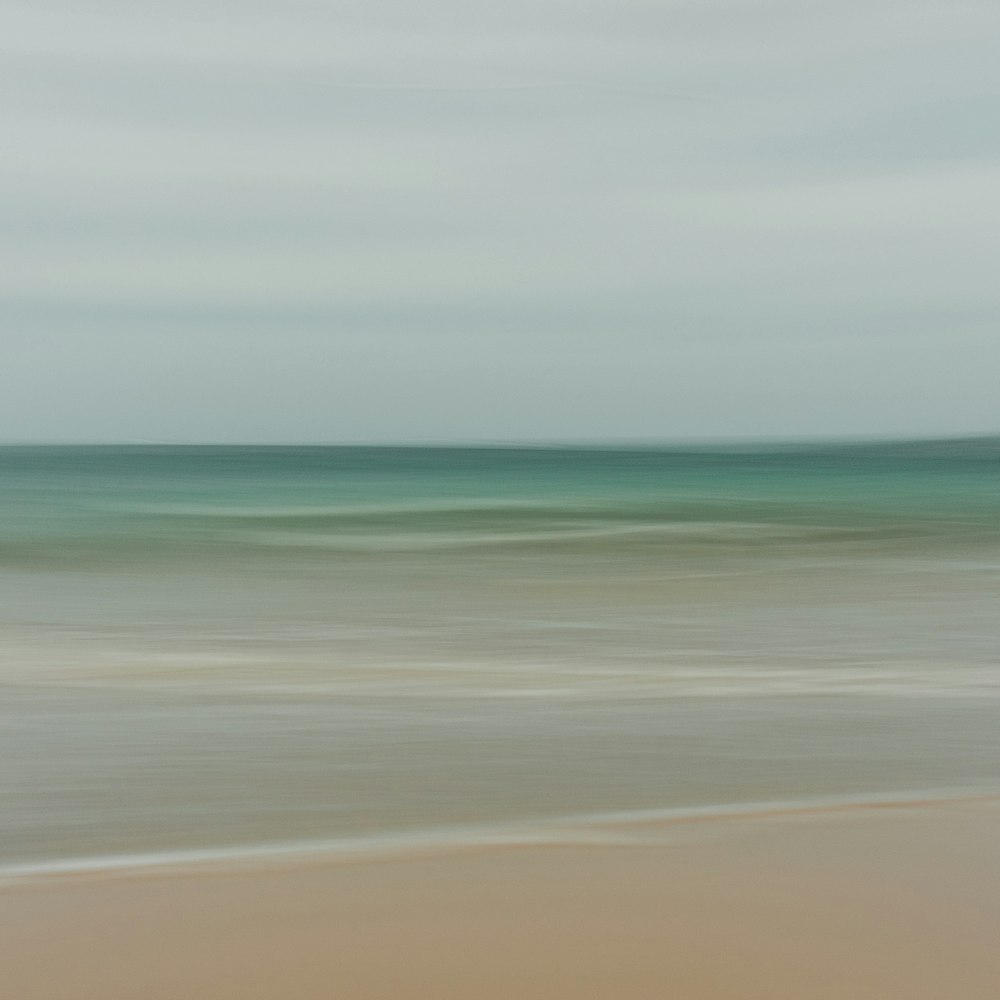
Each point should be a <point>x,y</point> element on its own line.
<point>215,651</point>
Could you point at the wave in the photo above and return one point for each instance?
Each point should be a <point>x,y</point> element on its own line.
<point>210,672</point>
<point>693,539</point>
<point>201,548</point>
<point>702,511</point>
<point>111,528</point>
<point>416,542</point>
<point>613,828</point>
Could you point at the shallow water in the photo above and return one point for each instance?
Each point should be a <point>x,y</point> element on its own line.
<point>220,647</point>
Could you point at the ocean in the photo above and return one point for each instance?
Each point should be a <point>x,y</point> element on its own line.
<point>223,652</point>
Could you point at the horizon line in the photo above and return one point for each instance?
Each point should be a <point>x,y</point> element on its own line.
<point>714,441</point>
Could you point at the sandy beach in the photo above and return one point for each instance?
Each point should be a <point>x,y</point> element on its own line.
<point>874,902</point>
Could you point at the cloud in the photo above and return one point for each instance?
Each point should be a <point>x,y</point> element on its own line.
<point>591,191</point>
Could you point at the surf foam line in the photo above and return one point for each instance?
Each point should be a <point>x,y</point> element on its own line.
<point>595,829</point>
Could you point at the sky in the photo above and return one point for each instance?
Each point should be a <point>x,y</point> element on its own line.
<point>459,220</point>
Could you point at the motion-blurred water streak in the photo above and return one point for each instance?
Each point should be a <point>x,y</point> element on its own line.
<point>204,648</point>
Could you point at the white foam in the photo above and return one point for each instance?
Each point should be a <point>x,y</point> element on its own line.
<point>601,828</point>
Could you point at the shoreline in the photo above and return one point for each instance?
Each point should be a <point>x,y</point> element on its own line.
<point>613,828</point>
<point>862,903</point>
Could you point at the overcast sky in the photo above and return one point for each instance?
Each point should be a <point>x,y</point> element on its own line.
<point>309,220</point>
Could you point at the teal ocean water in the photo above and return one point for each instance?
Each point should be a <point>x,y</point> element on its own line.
<point>219,650</point>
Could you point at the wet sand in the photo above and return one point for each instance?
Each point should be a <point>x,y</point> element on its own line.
<point>853,904</point>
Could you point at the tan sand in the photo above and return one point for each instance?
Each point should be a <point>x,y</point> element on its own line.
<point>871,904</point>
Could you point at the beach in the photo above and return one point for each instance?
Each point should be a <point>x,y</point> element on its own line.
<point>872,903</point>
